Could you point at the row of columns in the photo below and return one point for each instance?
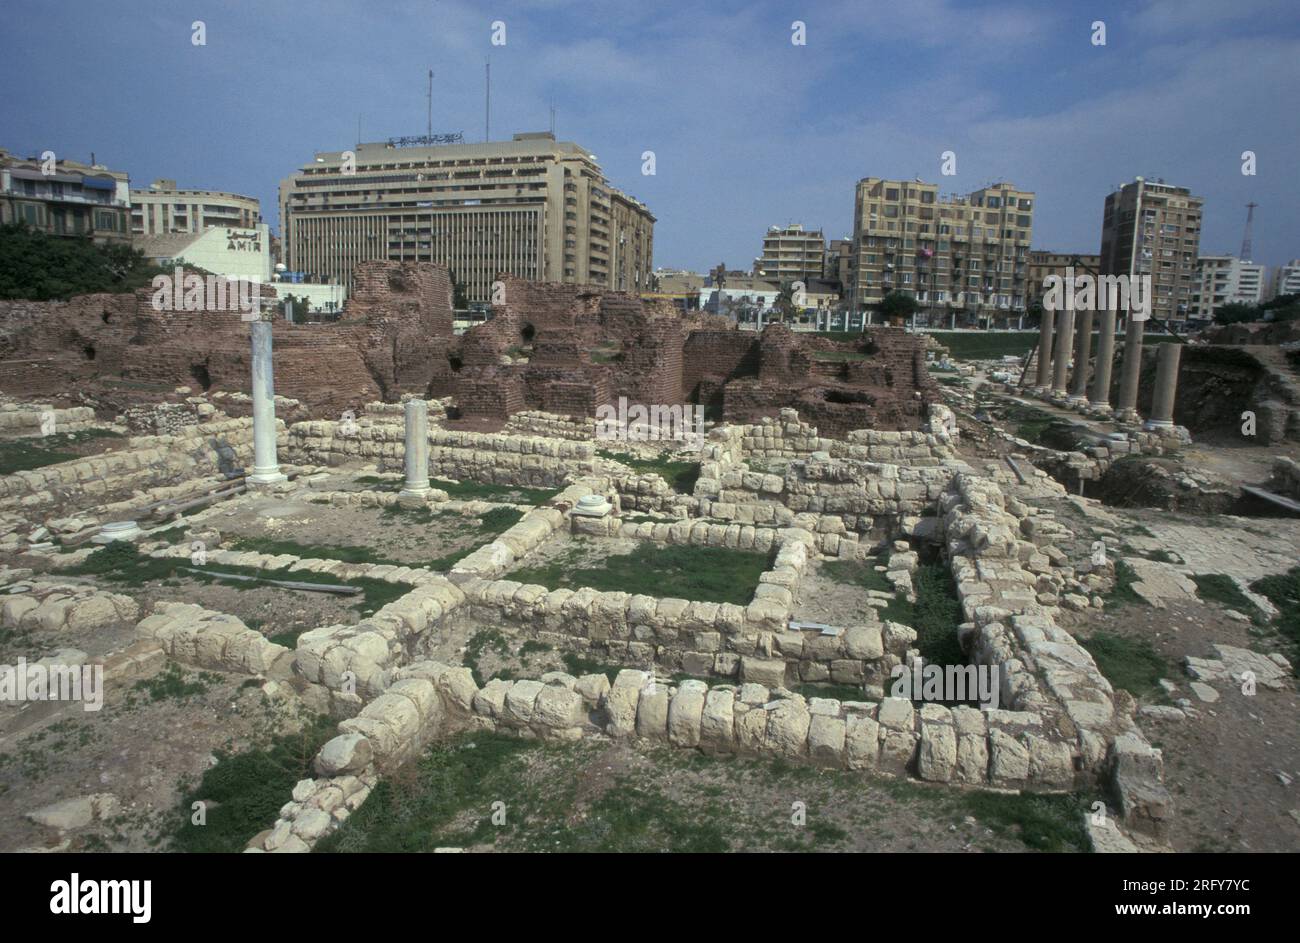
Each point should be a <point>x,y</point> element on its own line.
<point>1067,333</point>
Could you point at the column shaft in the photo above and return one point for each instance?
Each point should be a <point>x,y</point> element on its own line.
<point>1128,382</point>
<point>1064,347</point>
<point>416,413</point>
<point>1043,381</point>
<point>1082,351</point>
<point>266,467</point>
<point>1162,402</point>
<point>1100,398</point>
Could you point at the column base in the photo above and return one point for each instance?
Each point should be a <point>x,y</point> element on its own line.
<point>409,497</point>
<point>1152,425</point>
<point>269,476</point>
<point>1078,399</point>
<point>1099,407</point>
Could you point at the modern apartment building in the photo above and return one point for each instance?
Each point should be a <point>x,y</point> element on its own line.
<point>533,207</point>
<point>1225,279</point>
<point>1285,280</point>
<point>65,197</point>
<point>952,253</point>
<point>164,209</point>
<point>1153,228</point>
<point>1043,264</point>
<point>792,254</point>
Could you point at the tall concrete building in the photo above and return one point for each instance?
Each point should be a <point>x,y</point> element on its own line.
<point>1285,280</point>
<point>1225,279</point>
<point>163,209</point>
<point>65,197</point>
<point>966,254</point>
<point>1153,228</point>
<point>791,253</point>
<point>533,207</point>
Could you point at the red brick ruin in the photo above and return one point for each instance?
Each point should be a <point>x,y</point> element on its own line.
<point>565,349</point>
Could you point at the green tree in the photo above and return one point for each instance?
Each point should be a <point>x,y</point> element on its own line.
<point>1235,312</point>
<point>35,266</point>
<point>898,304</point>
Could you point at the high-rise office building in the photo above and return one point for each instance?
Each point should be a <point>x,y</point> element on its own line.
<point>533,207</point>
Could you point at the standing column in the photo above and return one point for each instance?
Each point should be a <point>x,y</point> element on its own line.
<point>1064,345</point>
<point>1162,403</point>
<point>1128,381</point>
<point>266,468</point>
<point>1043,381</point>
<point>1082,351</point>
<point>417,448</point>
<point>1100,398</point>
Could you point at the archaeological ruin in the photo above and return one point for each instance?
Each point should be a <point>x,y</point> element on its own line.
<point>410,536</point>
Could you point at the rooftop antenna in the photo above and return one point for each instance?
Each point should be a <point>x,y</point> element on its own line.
<point>429,132</point>
<point>1246,251</point>
<point>487,105</point>
<point>552,119</point>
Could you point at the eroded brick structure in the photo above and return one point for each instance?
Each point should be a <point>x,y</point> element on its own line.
<point>563,349</point>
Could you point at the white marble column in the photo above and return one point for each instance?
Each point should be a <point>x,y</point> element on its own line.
<point>1064,349</point>
<point>417,448</point>
<point>266,467</point>
<point>1132,370</point>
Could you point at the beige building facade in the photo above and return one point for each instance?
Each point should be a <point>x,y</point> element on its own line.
<point>952,253</point>
<point>65,197</point>
<point>163,209</point>
<point>1153,228</point>
<point>1043,264</point>
<point>792,253</point>
<point>533,207</point>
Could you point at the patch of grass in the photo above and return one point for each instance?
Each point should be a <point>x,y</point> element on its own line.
<point>442,800</point>
<point>1220,588</point>
<point>708,574</point>
<point>1283,591</point>
<point>579,665</point>
<point>856,573</point>
<point>504,494</point>
<point>174,683</point>
<point>480,642</point>
<point>681,476</point>
<point>1132,665</point>
<point>41,451</point>
<point>244,792</point>
<point>1043,823</point>
<point>936,615</point>
<point>1122,593</point>
<point>343,552</point>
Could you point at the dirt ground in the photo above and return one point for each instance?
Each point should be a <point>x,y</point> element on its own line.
<point>140,750</point>
<point>402,537</point>
<point>1222,764</point>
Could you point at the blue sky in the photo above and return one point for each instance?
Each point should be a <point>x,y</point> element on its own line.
<point>748,129</point>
